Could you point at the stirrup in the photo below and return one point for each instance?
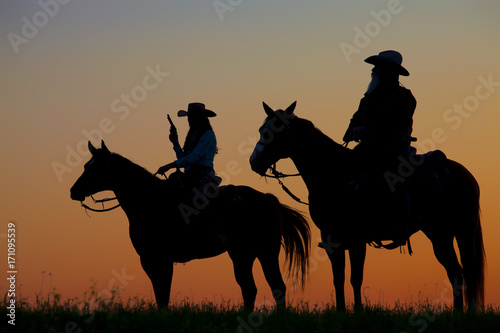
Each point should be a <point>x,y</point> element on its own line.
<point>391,246</point>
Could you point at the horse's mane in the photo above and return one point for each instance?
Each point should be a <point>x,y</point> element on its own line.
<point>129,168</point>
<point>322,141</point>
<point>321,145</point>
<point>307,126</point>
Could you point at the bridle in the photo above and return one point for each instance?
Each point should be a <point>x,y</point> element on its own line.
<point>278,175</point>
<point>101,201</point>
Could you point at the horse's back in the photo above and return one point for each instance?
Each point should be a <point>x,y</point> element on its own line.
<point>251,205</point>
<point>447,177</point>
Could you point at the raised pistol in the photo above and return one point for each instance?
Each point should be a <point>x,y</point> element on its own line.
<point>173,129</point>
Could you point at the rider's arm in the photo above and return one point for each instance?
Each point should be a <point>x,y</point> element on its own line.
<point>178,151</point>
<point>204,150</point>
<point>355,122</point>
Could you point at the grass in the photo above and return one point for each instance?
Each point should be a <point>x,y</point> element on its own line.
<point>95,314</point>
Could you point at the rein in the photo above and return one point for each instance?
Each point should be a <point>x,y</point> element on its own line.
<point>102,201</point>
<point>278,175</point>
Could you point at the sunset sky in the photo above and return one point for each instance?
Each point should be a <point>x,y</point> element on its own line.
<point>78,70</point>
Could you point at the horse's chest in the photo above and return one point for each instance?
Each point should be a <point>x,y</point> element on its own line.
<point>146,239</point>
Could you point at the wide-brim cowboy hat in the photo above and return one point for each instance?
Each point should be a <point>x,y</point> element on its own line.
<point>197,110</point>
<point>391,59</point>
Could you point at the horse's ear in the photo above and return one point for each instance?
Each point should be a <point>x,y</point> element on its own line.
<point>92,149</point>
<point>104,148</point>
<point>269,111</point>
<point>290,109</point>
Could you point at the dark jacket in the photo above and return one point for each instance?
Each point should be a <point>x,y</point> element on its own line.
<point>387,115</point>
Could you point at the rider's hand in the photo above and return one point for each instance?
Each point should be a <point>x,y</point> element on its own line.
<point>174,138</point>
<point>165,168</point>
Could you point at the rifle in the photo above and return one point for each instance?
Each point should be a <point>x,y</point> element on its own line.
<point>173,129</point>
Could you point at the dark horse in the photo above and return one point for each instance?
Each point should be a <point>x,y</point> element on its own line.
<point>444,208</point>
<point>253,224</point>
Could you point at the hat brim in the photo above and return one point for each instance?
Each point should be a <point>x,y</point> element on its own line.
<point>205,112</point>
<point>377,60</point>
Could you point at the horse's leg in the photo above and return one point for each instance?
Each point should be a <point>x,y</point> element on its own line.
<point>357,254</point>
<point>446,255</point>
<point>160,274</point>
<point>271,267</point>
<point>243,273</point>
<point>337,259</point>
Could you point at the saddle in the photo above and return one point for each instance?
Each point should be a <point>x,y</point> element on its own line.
<point>186,184</point>
<point>434,168</point>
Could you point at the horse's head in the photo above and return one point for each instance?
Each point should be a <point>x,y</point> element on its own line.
<point>96,175</point>
<point>275,138</point>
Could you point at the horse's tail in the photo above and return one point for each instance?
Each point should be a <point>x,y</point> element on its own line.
<point>473,260</point>
<point>479,264</point>
<point>471,246</point>
<point>296,243</point>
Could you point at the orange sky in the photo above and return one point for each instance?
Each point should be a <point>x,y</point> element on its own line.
<point>67,71</point>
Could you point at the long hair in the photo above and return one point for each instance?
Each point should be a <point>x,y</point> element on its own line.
<point>197,127</point>
<point>389,80</point>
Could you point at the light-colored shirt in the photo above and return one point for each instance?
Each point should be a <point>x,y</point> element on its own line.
<point>203,154</point>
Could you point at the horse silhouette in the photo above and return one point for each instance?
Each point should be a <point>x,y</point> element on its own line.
<point>443,208</point>
<point>254,225</point>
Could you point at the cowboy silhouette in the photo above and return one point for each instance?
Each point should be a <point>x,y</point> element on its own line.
<point>383,125</point>
<point>383,122</point>
<point>200,146</point>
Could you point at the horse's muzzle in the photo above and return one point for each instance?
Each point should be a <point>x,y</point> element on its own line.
<point>74,195</point>
<point>259,168</point>
<point>258,164</point>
